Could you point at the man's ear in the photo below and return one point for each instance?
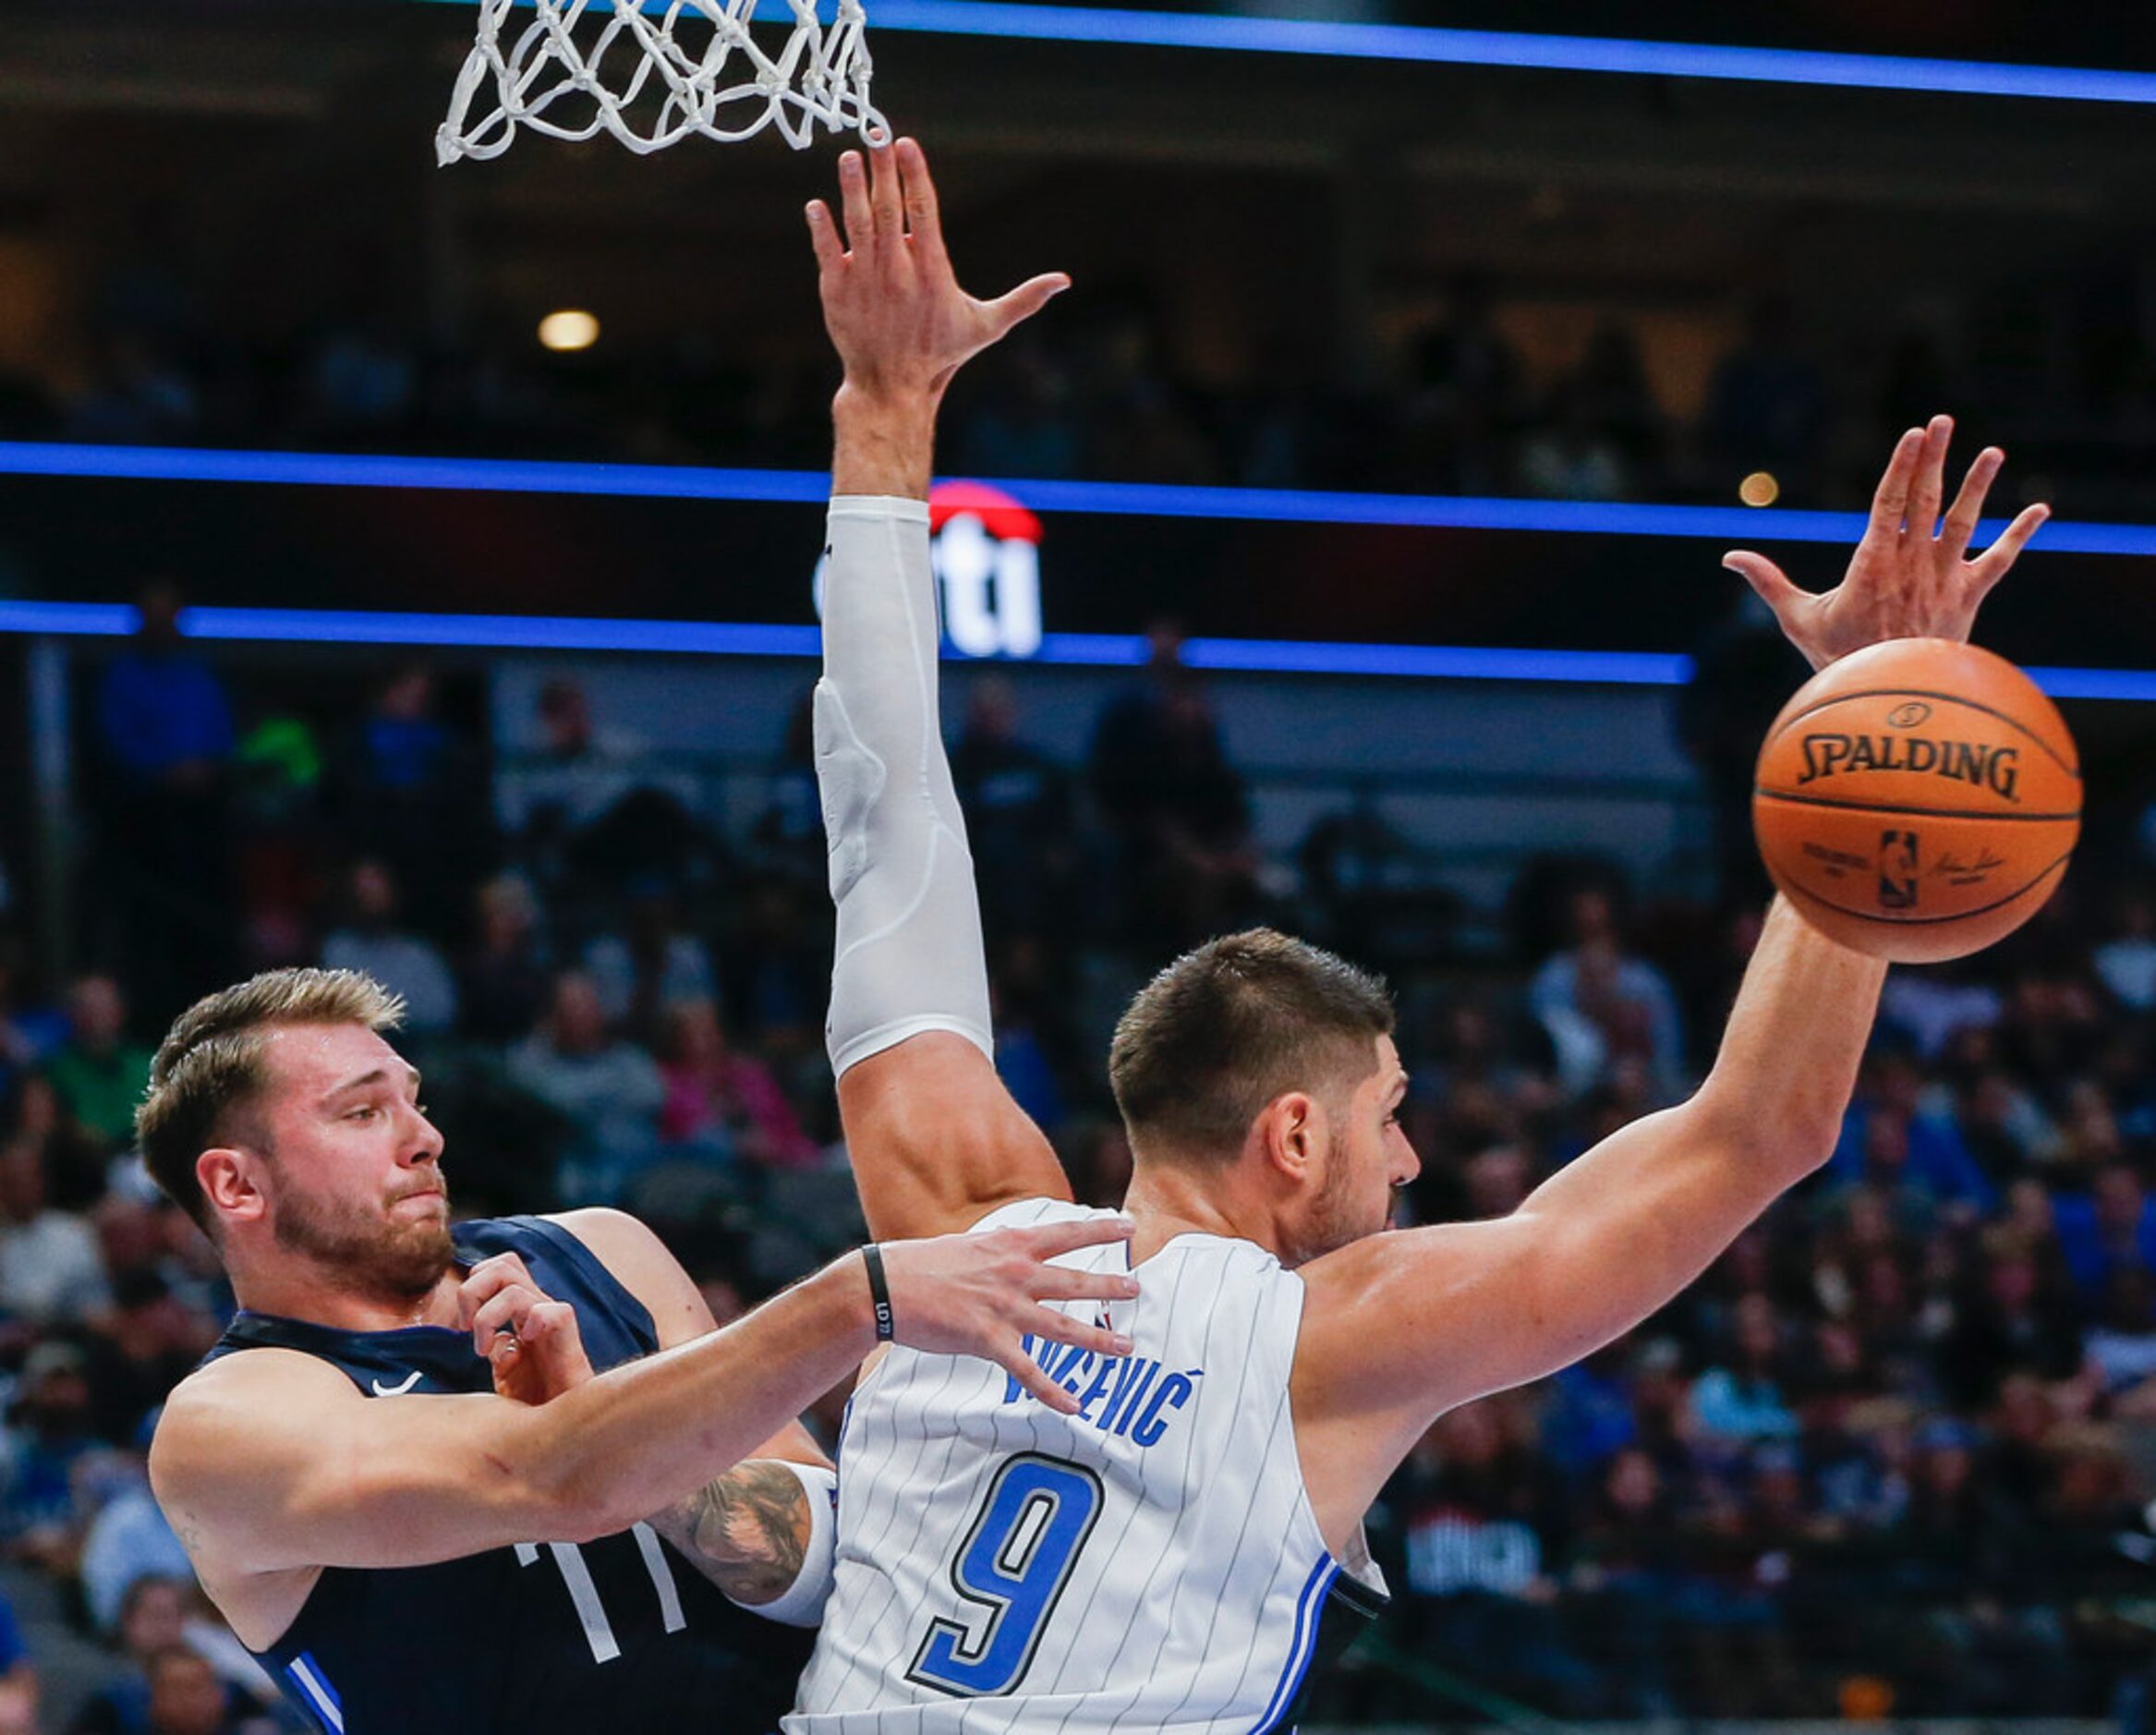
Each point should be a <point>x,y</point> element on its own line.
<point>1291,1128</point>
<point>229,1181</point>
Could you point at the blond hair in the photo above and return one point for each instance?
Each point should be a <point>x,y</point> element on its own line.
<point>210,1064</point>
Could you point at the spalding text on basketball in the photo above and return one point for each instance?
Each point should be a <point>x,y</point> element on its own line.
<point>1993,768</point>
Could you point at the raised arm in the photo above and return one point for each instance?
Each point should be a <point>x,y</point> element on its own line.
<point>1403,1326</point>
<point>1400,1327</point>
<point>937,1142</point>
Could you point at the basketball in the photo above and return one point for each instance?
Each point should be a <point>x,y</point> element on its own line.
<point>1917,800</point>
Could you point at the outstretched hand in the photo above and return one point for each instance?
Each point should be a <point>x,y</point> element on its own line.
<point>901,324</point>
<point>983,1294</point>
<point>1904,581</point>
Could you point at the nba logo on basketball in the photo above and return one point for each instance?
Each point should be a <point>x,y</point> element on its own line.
<point>1898,870</point>
<point>984,547</point>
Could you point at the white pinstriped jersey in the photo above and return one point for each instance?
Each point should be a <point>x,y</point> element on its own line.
<point>1150,1563</point>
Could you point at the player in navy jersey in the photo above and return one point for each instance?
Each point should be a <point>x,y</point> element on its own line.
<point>1158,1558</point>
<point>361,1471</point>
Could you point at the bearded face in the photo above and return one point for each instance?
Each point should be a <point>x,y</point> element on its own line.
<point>399,1254</point>
<point>354,1190</point>
<point>1367,1155</point>
<point>1341,1212</point>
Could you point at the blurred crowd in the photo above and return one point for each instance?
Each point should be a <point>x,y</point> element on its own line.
<point>1891,1454</point>
<point>1893,1451</point>
<point>1451,404</point>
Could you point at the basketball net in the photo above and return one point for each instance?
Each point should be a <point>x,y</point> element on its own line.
<point>656,71</point>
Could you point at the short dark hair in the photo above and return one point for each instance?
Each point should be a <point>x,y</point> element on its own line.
<point>210,1064</point>
<point>1226,1029</point>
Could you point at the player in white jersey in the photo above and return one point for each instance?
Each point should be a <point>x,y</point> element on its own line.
<point>1159,1559</point>
<point>1152,1562</point>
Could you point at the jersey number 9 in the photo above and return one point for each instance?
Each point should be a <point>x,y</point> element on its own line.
<point>1014,1563</point>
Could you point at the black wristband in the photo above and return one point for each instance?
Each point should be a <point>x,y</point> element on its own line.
<point>878,1291</point>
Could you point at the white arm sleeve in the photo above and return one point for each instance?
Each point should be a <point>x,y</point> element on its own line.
<point>909,953</point>
<point>802,1606</point>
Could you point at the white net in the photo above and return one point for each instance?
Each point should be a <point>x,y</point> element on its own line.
<point>651,72</point>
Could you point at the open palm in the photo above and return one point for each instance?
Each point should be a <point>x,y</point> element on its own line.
<point>901,324</point>
<point>1907,579</point>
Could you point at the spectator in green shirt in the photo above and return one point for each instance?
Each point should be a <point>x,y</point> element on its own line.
<point>97,1072</point>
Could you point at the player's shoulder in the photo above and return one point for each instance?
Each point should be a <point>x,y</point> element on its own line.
<point>1350,1273</point>
<point>1033,1213</point>
<point>265,1373</point>
<point>1237,1275</point>
<point>631,1253</point>
<point>225,1404</point>
<point>610,1236</point>
<point>1352,1294</point>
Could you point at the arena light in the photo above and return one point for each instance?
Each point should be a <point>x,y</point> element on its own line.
<point>568,329</point>
<point>1759,489</point>
<point>812,488</point>
<point>1012,20</point>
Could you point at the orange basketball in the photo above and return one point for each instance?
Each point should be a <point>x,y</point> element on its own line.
<point>1917,800</point>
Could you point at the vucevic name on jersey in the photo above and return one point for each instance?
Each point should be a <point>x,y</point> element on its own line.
<point>1120,1395</point>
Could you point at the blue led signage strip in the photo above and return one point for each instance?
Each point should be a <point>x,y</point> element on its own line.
<point>521,632</point>
<point>1119,650</point>
<point>1499,48</point>
<point>509,475</point>
<point>1507,48</point>
<point>1272,505</point>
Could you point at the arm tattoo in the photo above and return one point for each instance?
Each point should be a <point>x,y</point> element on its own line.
<point>748,1531</point>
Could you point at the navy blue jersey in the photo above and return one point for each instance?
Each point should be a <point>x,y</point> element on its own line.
<point>619,1634</point>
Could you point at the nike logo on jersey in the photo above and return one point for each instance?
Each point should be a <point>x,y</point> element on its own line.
<point>381,1391</point>
<point>1125,1396</point>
